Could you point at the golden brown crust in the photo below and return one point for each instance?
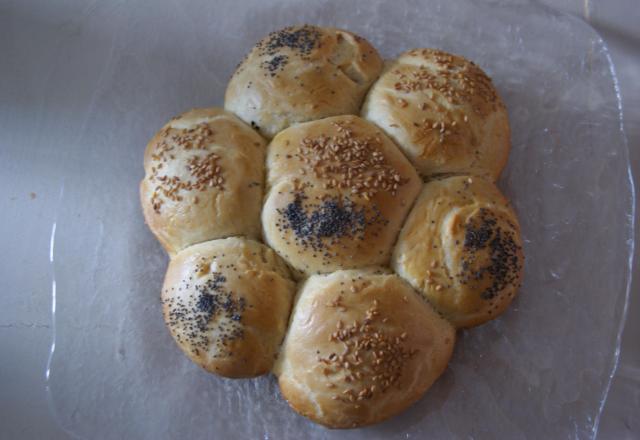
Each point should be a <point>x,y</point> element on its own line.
<point>461,248</point>
<point>361,347</point>
<point>302,73</point>
<point>339,192</point>
<point>226,303</point>
<point>443,112</point>
<point>204,173</point>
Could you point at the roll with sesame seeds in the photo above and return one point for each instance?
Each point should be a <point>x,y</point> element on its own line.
<point>339,191</point>
<point>226,303</point>
<point>362,346</point>
<point>204,174</point>
<point>444,113</point>
<point>302,73</point>
<point>389,267</point>
<point>461,248</point>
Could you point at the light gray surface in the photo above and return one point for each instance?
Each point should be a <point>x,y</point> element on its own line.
<point>619,24</point>
<point>33,89</point>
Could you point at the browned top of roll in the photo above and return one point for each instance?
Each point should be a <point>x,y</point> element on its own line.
<point>302,73</point>
<point>339,192</point>
<point>204,173</point>
<point>361,347</point>
<point>444,113</point>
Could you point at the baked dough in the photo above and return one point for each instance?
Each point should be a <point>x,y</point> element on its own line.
<point>302,73</point>
<point>204,176</point>
<point>443,112</point>
<point>339,192</point>
<point>461,248</point>
<point>226,303</point>
<point>361,347</point>
<point>337,199</point>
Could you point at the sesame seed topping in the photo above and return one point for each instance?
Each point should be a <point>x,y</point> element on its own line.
<point>374,365</point>
<point>444,78</point>
<point>204,168</point>
<point>348,161</point>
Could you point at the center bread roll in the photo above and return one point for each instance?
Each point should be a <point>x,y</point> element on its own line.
<point>339,192</point>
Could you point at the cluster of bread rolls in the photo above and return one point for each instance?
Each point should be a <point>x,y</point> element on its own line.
<point>336,222</point>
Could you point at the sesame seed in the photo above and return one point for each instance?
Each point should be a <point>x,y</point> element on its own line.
<point>205,171</point>
<point>347,160</point>
<point>373,360</point>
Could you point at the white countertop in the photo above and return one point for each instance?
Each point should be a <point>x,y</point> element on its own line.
<point>31,34</point>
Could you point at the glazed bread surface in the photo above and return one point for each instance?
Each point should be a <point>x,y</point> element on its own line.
<point>302,73</point>
<point>339,191</point>
<point>204,177</point>
<point>226,303</point>
<point>362,346</point>
<point>443,112</point>
<point>461,248</point>
<point>314,172</point>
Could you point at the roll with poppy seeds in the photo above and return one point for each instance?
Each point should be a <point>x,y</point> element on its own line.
<point>444,113</point>
<point>302,73</point>
<point>461,248</point>
<point>226,303</point>
<point>204,174</point>
<point>362,346</point>
<point>338,192</point>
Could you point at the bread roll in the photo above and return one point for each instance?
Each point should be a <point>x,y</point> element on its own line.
<point>362,343</point>
<point>461,248</point>
<point>443,112</point>
<point>339,192</point>
<point>361,347</point>
<point>226,303</point>
<point>302,73</point>
<point>204,173</point>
